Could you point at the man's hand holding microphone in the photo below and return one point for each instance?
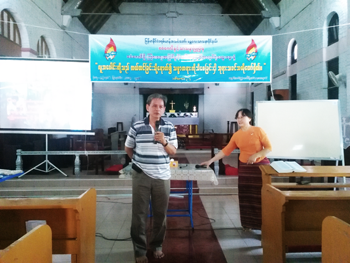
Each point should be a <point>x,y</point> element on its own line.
<point>158,135</point>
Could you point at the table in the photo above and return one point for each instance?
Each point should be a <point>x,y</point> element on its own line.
<point>188,173</point>
<point>292,220</point>
<point>8,174</point>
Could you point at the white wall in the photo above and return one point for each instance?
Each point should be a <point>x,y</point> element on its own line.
<point>43,18</point>
<point>221,104</point>
<point>114,103</point>
<point>306,21</point>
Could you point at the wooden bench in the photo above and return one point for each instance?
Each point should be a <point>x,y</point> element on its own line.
<point>335,240</point>
<point>72,221</point>
<point>292,219</point>
<point>33,247</point>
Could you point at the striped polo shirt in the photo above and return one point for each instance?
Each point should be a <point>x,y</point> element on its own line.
<point>149,156</point>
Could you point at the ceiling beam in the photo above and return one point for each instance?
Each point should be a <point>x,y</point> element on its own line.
<point>271,10</point>
<point>71,8</point>
<point>246,23</point>
<point>226,6</point>
<point>115,5</point>
<point>101,7</point>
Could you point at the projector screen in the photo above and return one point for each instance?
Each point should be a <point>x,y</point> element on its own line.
<point>45,95</point>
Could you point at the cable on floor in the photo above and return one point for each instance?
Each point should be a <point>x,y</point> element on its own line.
<point>112,239</point>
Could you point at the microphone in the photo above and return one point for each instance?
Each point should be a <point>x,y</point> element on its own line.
<point>157,129</point>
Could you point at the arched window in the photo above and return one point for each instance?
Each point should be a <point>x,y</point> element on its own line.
<point>42,48</point>
<point>294,53</point>
<point>9,28</point>
<point>292,59</point>
<point>333,30</point>
<point>10,37</point>
<point>333,90</point>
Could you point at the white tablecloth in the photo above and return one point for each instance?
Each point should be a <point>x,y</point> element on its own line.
<point>9,172</point>
<point>183,172</point>
<point>189,172</point>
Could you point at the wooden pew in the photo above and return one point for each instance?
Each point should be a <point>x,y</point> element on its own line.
<point>33,247</point>
<point>335,240</point>
<point>311,171</point>
<point>292,220</point>
<point>72,221</point>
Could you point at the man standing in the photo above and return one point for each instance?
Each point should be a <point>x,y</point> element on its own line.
<point>149,144</point>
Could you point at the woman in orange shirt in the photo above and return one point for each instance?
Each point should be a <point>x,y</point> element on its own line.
<point>253,145</point>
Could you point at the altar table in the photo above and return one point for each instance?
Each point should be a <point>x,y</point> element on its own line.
<point>183,120</point>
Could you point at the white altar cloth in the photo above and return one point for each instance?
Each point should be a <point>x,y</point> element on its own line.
<point>186,172</point>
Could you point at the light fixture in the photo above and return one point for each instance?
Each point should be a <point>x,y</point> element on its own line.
<point>172,14</point>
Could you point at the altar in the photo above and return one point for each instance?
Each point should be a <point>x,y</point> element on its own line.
<point>183,120</point>
<point>183,124</point>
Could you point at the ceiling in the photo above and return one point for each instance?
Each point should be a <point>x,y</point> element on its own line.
<point>246,14</point>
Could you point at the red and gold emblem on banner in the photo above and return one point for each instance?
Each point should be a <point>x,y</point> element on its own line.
<point>251,51</point>
<point>110,50</point>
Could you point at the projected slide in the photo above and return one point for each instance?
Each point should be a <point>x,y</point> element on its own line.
<point>45,95</point>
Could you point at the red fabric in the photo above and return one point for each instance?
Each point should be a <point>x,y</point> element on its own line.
<point>229,170</point>
<point>115,168</point>
<point>182,129</point>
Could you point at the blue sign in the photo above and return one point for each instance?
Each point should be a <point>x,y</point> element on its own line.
<point>178,59</point>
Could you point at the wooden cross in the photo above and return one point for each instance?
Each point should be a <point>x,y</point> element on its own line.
<point>172,105</point>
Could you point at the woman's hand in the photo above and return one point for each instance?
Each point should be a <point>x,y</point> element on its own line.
<point>252,159</point>
<point>207,163</point>
<point>217,157</point>
<point>257,157</point>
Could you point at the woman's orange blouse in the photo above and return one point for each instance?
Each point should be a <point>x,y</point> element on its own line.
<point>249,142</point>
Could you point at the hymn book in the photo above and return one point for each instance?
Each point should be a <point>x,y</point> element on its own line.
<point>287,167</point>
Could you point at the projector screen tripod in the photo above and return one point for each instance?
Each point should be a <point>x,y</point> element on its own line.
<point>49,166</point>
